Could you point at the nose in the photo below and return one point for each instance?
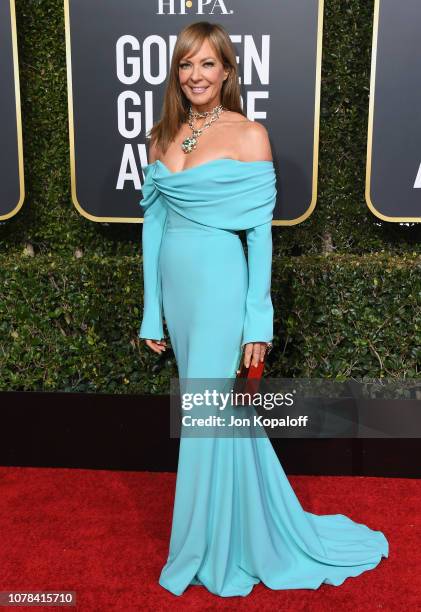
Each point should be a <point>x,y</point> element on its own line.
<point>196,74</point>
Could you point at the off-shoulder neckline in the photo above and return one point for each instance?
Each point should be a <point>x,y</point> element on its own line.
<point>211,161</point>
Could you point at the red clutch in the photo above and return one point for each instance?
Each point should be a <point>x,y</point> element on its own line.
<point>248,379</point>
<point>252,372</point>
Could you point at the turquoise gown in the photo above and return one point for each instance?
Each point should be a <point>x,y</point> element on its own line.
<point>236,519</point>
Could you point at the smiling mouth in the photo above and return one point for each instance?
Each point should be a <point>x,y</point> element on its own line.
<point>198,90</point>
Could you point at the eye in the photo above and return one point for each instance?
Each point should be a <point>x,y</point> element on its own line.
<point>184,64</point>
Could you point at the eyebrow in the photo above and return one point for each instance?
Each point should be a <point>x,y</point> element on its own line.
<point>205,58</point>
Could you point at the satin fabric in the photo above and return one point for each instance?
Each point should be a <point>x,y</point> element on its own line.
<point>236,520</point>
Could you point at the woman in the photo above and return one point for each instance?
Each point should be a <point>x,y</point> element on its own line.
<point>236,520</point>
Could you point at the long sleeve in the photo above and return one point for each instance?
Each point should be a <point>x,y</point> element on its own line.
<point>154,220</point>
<point>258,323</point>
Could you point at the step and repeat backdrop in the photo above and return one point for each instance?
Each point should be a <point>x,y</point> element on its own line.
<point>393,178</point>
<point>118,58</point>
<point>11,154</point>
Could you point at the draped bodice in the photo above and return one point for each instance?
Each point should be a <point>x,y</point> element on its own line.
<point>224,193</point>
<point>224,196</point>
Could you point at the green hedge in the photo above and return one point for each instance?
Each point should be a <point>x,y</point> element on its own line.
<point>348,316</point>
<point>72,325</point>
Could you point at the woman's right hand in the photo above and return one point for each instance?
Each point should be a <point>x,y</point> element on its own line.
<point>158,346</point>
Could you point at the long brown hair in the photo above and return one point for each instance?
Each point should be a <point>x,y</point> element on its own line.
<point>176,104</point>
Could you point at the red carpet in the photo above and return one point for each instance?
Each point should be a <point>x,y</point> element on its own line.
<point>105,535</point>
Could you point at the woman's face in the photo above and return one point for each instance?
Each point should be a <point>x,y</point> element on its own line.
<point>201,77</point>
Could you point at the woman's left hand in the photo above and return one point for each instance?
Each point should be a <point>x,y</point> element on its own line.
<point>254,352</point>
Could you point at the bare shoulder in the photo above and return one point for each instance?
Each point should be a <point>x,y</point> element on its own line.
<point>250,138</point>
<point>255,143</point>
<point>154,152</point>
<point>233,118</point>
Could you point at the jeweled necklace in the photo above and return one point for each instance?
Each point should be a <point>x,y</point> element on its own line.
<point>190,143</point>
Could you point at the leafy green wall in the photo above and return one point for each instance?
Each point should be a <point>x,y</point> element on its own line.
<point>346,285</point>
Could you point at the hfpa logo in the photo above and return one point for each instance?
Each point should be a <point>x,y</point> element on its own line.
<point>185,7</point>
